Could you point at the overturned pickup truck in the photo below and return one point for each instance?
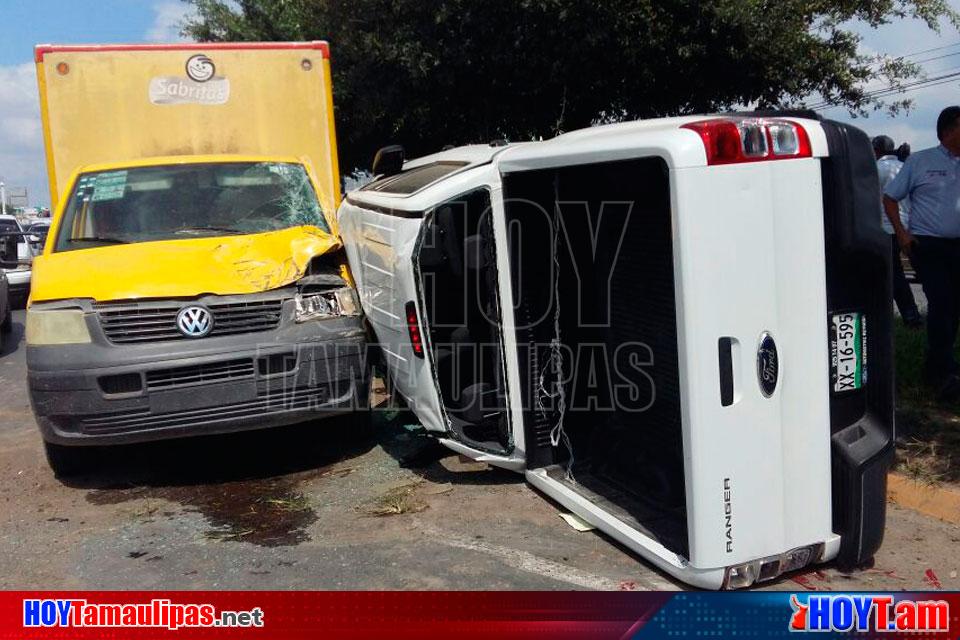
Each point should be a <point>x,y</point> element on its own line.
<point>665,325</point>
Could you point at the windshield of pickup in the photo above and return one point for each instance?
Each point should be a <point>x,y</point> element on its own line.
<point>184,201</point>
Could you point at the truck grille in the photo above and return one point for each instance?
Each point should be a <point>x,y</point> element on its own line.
<point>266,404</point>
<point>140,322</point>
<point>199,374</point>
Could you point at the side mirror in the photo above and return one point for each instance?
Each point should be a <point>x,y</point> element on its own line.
<point>388,161</point>
<point>8,251</point>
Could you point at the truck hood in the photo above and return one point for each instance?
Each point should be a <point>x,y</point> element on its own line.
<point>223,265</point>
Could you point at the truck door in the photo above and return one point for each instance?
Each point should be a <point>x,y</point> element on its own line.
<point>429,285</point>
<point>380,242</point>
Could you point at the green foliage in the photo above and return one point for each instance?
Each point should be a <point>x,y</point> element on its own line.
<point>427,73</point>
<point>928,431</point>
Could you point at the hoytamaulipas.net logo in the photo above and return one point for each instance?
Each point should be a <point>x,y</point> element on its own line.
<point>63,612</point>
<point>868,612</point>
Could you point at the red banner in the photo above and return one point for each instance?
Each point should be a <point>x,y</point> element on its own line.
<point>400,615</point>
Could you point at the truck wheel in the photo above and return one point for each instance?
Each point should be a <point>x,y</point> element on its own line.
<point>7,325</point>
<point>66,461</point>
<point>357,425</point>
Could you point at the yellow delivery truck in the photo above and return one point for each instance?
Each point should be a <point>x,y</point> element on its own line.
<point>193,281</point>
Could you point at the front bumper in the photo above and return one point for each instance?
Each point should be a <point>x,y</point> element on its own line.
<point>99,393</point>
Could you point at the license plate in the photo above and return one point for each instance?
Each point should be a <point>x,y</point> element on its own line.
<point>848,351</point>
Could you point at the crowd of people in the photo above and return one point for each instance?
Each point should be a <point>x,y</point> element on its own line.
<point>921,203</point>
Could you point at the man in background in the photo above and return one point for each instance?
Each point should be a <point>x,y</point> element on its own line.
<point>931,180</point>
<point>888,166</point>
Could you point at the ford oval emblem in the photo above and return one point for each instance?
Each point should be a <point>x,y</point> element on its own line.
<point>768,365</point>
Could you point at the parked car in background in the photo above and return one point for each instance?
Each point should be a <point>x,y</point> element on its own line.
<point>19,274</point>
<point>8,257</point>
<point>37,234</point>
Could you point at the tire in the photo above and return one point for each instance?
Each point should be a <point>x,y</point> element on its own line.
<point>356,425</point>
<point>7,325</point>
<point>66,461</point>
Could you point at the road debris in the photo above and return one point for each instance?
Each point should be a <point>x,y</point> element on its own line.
<point>931,578</point>
<point>576,522</point>
<point>398,501</point>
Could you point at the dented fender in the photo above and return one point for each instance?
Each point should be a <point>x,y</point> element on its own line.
<point>223,265</point>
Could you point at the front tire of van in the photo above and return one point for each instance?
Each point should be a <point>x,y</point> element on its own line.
<point>360,421</point>
<point>66,461</point>
<point>356,426</point>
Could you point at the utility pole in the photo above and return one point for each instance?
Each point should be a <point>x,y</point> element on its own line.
<point>3,199</point>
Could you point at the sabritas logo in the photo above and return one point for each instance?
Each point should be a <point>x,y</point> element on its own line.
<point>863,612</point>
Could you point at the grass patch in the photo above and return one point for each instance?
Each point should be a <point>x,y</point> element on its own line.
<point>297,502</point>
<point>397,501</point>
<point>928,431</point>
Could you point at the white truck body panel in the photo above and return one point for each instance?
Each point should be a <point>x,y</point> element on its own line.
<point>749,260</point>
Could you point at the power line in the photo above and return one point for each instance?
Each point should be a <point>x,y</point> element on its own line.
<point>948,55</point>
<point>947,80</point>
<point>917,53</point>
<point>876,87</point>
<point>895,90</point>
<point>891,89</point>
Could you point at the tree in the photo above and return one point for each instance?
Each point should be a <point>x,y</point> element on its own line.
<point>428,73</point>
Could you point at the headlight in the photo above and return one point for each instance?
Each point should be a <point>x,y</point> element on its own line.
<point>56,326</point>
<point>328,304</point>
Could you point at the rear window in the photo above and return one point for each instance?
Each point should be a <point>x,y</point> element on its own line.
<point>415,179</point>
<point>10,226</point>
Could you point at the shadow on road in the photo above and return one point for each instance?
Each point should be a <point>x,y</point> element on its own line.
<point>267,453</point>
<point>12,341</point>
<point>249,485</point>
<point>246,485</point>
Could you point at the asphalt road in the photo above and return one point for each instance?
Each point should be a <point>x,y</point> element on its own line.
<point>306,508</point>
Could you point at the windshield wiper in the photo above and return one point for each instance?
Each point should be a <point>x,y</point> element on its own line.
<point>208,228</point>
<point>99,239</point>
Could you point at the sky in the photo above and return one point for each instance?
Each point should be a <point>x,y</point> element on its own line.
<point>24,23</point>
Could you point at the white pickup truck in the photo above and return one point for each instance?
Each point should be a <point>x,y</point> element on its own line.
<point>664,324</point>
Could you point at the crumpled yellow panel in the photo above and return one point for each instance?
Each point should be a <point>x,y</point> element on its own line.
<point>225,265</point>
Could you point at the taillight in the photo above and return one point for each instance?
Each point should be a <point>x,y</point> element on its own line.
<point>734,140</point>
<point>413,328</point>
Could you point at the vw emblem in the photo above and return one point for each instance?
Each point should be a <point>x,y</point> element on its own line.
<point>194,322</point>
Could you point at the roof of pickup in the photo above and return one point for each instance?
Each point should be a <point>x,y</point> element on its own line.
<point>472,154</point>
<point>459,159</point>
<point>600,143</point>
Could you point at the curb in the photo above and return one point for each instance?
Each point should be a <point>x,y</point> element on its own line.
<point>940,502</point>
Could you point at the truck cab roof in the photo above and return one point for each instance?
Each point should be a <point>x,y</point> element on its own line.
<point>416,186</point>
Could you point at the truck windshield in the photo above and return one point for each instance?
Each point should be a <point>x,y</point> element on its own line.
<point>147,204</point>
